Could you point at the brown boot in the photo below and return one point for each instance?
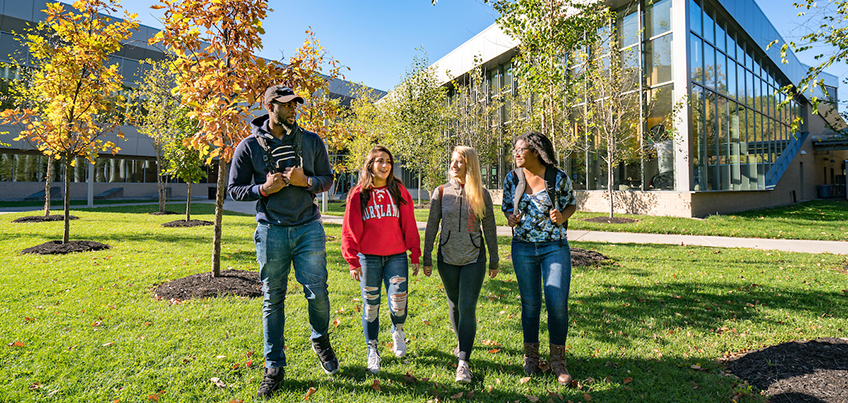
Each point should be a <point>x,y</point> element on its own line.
<point>558,364</point>
<point>531,358</point>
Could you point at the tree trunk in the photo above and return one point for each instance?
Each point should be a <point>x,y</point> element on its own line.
<point>47,179</point>
<point>160,182</point>
<point>67,200</point>
<point>610,183</point>
<point>188,202</point>
<point>420,185</point>
<point>219,212</point>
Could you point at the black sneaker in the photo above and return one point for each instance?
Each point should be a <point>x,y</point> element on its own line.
<point>329,362</point>
<point>272,381</point>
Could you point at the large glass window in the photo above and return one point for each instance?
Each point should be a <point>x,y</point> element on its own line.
<point>658,18</point>
<point>658,57</point>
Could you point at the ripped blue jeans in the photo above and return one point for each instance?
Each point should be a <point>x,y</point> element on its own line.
<point>277,249</point>
<point>392,270</point>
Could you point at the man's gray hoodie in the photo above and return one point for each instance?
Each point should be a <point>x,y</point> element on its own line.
<point>461,235</point>
<point>293,205</point>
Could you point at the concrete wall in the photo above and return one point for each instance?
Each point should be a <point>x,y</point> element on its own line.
<point>79,190</point>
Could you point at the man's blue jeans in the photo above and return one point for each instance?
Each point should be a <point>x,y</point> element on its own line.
<point>392,270</point>
<point>277,249</point>
<point>538,265</point>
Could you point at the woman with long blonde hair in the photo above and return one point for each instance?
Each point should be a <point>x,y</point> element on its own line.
<point>462,206</point>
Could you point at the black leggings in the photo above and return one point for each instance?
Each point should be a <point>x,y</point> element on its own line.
<point>462,286</point>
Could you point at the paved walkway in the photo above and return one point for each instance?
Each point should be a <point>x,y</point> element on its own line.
<point>788,245</point>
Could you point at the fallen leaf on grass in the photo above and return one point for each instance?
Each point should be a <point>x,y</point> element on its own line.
<point>220,357</point>
<point>556,395</point>
<point>493,351</point>
<point>457,396</point>
<point>248,364</point>
<point>16,344</point>
<point>108,344</point>
<point>524,380</point>
<point>586,397</point>
<point>28,319</point>
<point>426,322</point>
<point>358,308</point>
<point>235,366</point>
<point>490,343</point>
<point>532,398</point>
<point>309,392</point>
<point>696,367</point>
<point>410,378</point>
<point>376,385</point>
<point>627,380</point>
<point>35,386</point>
<point>336,322</point>
<point>236,401</point>
<point>218,382</point>
<point>490,388</point>
<point>153,398</point>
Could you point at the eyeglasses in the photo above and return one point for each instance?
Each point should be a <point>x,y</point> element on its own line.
<point>520,150</point>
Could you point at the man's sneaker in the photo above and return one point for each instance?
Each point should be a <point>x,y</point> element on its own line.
<point>373,359</point>
<point>399,342</point>
<point>272,381</point>
<point>329,362</point>
<point>463,373</point>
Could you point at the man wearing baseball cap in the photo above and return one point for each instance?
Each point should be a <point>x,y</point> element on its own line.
<point>283,166</point>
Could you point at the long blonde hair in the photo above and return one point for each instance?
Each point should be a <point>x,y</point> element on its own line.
<point>473,180</point>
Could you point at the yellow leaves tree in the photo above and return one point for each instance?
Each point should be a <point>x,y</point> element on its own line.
<point>220,77</point>
<point>74,92</point>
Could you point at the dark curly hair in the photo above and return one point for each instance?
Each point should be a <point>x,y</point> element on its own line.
<point>542,145</point>
<point>366,179</point>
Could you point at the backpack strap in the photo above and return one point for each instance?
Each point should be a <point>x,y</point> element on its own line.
<point>520,184</point>
<point>266,154</point>
<point>551,174</point>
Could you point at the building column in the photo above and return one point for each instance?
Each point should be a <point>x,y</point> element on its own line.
<point>680,72</point>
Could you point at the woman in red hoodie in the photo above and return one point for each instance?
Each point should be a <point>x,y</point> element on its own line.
<point>379,227</point>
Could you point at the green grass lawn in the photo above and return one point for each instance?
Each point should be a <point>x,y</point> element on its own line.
<point>86,327</point>
<point>825,220</point>
<point>57,204</point>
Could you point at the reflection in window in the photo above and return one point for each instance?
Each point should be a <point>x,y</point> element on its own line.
<point>658,57</point>
<point>658,18</point>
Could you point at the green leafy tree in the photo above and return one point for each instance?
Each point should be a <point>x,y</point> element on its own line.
<point>417,115</point>
<point>548,31</point>
<point>828,28</point>
<point>77,92</point>
<point>155,114</point>
<point>181,160</point>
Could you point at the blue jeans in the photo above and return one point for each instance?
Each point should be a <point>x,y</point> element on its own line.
<point>539,264</point>
<point>392,270</point>
<point>277,248</point>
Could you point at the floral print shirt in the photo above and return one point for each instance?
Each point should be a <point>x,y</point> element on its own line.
<point>536,224</point>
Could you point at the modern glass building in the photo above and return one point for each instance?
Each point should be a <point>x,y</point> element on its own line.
<point>131,173</point>
<point>735,150</point>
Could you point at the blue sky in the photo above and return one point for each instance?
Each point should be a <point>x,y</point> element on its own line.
<point>377,39</point>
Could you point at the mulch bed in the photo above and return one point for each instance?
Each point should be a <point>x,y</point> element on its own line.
<point>189,223</point>
<point>203,285</point>
<point>583,257</point>
<point>48,218</point>
<point>163,213</point>
<point>811,371</point>
<point>57,247</point>
<point>613,220</point>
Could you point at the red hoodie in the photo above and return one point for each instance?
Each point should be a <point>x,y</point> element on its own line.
<point>387,228</point>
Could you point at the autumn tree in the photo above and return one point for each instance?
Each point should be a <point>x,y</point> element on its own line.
<point>548,31</point>
<point>77,91</point>
<point>220,78</point>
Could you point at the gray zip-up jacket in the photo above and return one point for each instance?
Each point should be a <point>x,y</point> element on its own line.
<point>461,236</point>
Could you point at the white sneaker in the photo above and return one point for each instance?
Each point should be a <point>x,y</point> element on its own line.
<point>463,373</point>
<point>399,342</point>
<point>373,359</point>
